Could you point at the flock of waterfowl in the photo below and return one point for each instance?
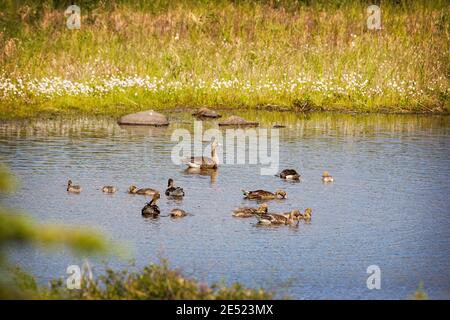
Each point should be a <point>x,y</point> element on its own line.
<point>150,209</point>
<point>262,213</point>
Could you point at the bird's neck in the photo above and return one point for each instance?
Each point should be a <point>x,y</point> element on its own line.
<point>214,156</point>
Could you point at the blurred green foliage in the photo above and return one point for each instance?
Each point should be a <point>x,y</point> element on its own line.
<point>18,229</point>
<point>155,281</point>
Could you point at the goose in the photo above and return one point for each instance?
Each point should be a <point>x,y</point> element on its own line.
<point>178,213</point>
<point>173,191</point>
<point>109,189</point>
<point>151,209</point>
<point>289,174</point>
<point>295,213</point>
<point>143,191</point>
<point>264,195</point>
<point>205,162</point>
<point>247,212</point>
<point>277,219</point>
<point>72,188</point>
<point>326,177</point>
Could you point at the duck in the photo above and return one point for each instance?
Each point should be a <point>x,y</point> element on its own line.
<point>326,177</point>
<point>289,174</point>
<point>178,213</point>
<point>145,191</point>
<point>205,162</point>
<point>173,191</point>
<point>264,195</point>
<point>109,189</point>
<point>72,188</point>
<point>151,209</point>
<point>247,212</point>
<point>277,219</point>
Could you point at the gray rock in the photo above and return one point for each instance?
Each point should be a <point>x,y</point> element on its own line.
<point>145,118</point>
<point>206,113</point>
<point>238,121</point>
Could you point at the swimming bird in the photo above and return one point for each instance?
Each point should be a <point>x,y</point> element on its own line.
<point>205,162</point>
<point>264,195</point>
<point>297,215</point>
<point>247,212</point>
<point>178,213</point>
<point>144,191</point>
<point>307,214</point>
<point>326,177</point>
<point>277,219</point>
<point>173,191</point>
<point>289,174</point>
<point>72,188</point>
<point>151,209</point>
<point>109,189</point>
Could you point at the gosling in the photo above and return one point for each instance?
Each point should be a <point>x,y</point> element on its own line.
<point>109,189</point>
<point>326,177</point>
<point>178,213</point>
<point>73,188</point>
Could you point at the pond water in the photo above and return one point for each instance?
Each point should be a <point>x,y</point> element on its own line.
<point>387,207</point>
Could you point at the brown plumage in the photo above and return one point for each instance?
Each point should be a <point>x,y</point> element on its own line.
<point>264,195</point>
<point>109,189</point>
<point>72,188</point>
<point>178,213</point>
<point>143,191</point>
<point>247,212</point>
<point>151,210</point>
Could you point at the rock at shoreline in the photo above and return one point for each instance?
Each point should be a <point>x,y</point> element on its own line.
<point>206,113</point>
<point>238,121</point>
<point>145,118</point>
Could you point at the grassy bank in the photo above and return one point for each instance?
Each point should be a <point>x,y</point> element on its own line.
<point>130,56</point>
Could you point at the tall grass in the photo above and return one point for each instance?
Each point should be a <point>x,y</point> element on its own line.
<point>160,54</point>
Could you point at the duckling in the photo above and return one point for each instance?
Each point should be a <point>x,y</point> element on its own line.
<point>144,191</point>
<point>289,174</point>
<point>173,191</point>
<point>326,177</point>
<point>72,188</point>
<point>247,212</point>
<point>109,189</point>
<point>151,209</point>
<point>264,195</point>
<point>178,213</point>
<point>308,214</point>
<point>205,162</point>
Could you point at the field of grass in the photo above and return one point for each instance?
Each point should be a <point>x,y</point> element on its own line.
<point>304,55</point>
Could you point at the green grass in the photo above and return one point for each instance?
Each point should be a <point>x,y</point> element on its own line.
<point>154,281</point>
<point>223,54</point>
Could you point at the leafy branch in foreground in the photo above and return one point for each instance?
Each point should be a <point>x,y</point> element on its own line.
<point>155,281</point>
<point>17,228</point>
